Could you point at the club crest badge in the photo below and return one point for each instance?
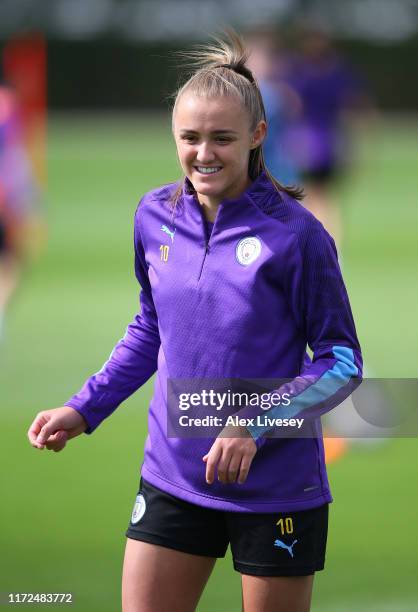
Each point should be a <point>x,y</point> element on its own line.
<point>248,249</point>
<point>139,509</point>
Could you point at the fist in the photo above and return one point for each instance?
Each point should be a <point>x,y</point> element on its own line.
<point>52,428</point>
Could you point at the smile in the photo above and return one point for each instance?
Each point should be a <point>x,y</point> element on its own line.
<point>208,169</point>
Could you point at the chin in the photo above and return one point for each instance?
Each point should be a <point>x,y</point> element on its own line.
<point>208,186</point>
<point>210,192</point>
<point>208,189</point>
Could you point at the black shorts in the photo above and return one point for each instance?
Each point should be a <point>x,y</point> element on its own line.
<point>262,544</point>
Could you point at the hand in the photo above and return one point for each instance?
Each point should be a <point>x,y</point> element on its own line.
<point>52,428</point>
<point>233,452</point>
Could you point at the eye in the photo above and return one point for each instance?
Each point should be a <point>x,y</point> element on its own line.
<point>223,139</point>
<point>188,137</point>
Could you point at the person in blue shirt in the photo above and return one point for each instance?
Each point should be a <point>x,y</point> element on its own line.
<point>269,63</point>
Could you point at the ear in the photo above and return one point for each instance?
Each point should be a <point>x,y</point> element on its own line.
<point>259,134</point>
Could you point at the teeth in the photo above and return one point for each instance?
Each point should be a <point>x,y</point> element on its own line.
<point>205,170</point>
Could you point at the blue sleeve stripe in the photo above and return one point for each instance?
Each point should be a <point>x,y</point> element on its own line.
<point>325,387</point>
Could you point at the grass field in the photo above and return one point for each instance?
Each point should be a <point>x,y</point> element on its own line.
<point>64,515</point>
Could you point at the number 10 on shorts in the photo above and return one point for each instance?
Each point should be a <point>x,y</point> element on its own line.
<point>285,525</point>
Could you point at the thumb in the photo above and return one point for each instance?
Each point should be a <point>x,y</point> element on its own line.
<point>205,458</point>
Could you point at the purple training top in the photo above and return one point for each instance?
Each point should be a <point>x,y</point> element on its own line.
<point>207,312</point>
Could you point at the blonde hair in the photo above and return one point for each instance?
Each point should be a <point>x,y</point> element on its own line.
<point>219,69</point>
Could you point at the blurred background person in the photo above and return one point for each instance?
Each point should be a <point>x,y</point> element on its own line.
<point>20,225</point>
<point>269,63</point>
<point>318,144</point>
<point>331,94</point>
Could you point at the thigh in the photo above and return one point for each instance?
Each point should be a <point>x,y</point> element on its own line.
<point>159,579</point>
<point>276,594</point>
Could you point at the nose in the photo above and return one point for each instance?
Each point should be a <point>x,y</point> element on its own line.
<point>204,153</point>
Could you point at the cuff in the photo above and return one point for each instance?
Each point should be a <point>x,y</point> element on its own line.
<point>91,426</point>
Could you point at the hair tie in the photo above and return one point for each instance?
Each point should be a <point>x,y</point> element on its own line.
<point>242,70</point>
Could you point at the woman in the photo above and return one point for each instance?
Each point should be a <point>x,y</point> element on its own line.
<point>237,278</point>
<point>20,226</point>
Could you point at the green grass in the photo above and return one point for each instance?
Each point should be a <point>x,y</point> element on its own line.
<point>64,515</point>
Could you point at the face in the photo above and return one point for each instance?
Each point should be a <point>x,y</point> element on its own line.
<point>214,140</point>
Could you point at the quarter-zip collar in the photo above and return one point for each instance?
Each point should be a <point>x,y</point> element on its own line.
<point>232,212</point>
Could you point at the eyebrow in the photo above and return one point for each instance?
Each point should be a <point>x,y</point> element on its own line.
<point>186,131</point>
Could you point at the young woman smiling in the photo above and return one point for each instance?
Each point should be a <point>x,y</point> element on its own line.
<point>237,280</point>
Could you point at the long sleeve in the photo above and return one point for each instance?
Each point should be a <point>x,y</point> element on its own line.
<point>133,360</point>
<point>320,305</point>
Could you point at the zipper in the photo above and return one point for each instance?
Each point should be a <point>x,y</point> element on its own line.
<point>206,252</point>
<point>207,239</point>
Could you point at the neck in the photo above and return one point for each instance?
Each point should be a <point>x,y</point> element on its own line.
<point>210,204</point>
<point>209,207</point>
